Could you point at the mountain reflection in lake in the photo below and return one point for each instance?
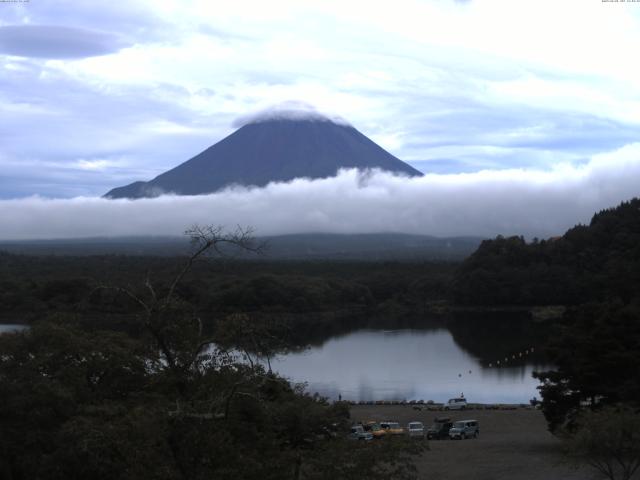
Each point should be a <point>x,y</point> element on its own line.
<point>405,365</point>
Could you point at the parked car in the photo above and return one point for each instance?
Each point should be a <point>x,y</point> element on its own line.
<point>464,429</point>
<point>375,429</point>
<point>392,428</point>
<point>439,429</point>
<point>358,433</point>
<point>456,404</point>
<point>415,429</point>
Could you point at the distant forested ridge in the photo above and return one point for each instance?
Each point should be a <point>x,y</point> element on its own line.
<point>369,247</point>
<point>588,263</point>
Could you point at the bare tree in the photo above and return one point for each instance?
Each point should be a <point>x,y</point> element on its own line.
<point>177,332</point>
<point>257,338</point>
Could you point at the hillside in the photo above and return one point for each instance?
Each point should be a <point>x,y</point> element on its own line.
<point>588,263</point>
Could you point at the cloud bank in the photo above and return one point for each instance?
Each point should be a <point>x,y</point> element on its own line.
<point>50,41</point>
<point>487,203</point>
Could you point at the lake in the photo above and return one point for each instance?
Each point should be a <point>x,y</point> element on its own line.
<point>407,365</point>
<point>8,327</point>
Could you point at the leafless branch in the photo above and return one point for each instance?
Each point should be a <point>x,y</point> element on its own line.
<point>128,293</point>
<point>205,238</point>
<point>149,286</point>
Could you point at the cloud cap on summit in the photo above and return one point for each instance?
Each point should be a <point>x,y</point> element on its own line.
<point>290,110</point>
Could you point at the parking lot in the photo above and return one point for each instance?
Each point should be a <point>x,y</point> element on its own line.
<point>513,444</point>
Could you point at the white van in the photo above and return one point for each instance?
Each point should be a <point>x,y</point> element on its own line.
<point>459,403</point>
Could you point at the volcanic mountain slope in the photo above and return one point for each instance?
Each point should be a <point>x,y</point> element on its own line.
<point>271,150</point>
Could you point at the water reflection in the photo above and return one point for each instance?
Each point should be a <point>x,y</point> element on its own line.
<point>405,365</point>
<point>8,328</point>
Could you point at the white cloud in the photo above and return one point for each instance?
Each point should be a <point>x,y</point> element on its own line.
<point>288,111</point>
<point>95,164</point>
<point>44,41</point>
<point>533,203</point>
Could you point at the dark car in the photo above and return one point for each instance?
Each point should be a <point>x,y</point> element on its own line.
<point>465,429</point>
<point>439,429</point>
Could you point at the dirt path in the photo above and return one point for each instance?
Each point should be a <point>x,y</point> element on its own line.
<point>513,444</point>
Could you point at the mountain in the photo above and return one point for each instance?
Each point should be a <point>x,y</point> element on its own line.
<point>272,149</point>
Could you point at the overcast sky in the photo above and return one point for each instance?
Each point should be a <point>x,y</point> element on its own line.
<point>97,94</point>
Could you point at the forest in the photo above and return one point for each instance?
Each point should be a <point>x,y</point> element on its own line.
<point>318,298</point>
<point>588,263</point>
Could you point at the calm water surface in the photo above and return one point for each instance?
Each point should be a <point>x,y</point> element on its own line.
<point>8,327</point>
<point>400,365</point>
<point>405,365</point>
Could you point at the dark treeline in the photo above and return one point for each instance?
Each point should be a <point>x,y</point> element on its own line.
<point>311,295</point>
<point>308,247</point>
<point>588,263</point>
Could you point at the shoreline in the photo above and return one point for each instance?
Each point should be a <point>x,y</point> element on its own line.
<point>439,407</point>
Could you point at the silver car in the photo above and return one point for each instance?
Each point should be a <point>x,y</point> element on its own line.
<point>358,433</point>
<point>415,429</point>
<point>464,429</point>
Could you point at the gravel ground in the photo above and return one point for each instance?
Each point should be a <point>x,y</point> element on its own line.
<point>513,444</point>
